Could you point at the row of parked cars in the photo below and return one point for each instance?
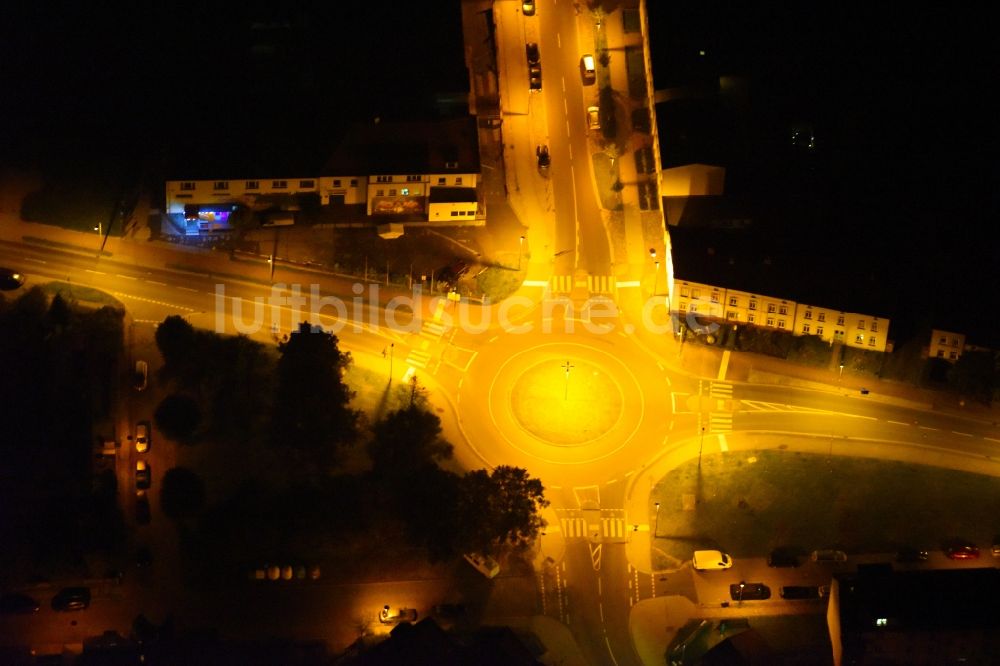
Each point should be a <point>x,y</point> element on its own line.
<point>66,599</point>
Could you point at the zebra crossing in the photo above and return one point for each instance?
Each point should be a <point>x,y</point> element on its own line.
<point>418,358</point>
<point>596,284</point>
<point>611,528</point>
<point>720,390</point>
<point>720,422</point>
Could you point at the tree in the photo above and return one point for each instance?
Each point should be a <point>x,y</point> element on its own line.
<point>406,440</point>
<point>500,508</point>
<point>312,414</point>
<point>974,374</point>
<point>177,341</point>
<point>178,417</point>
<point>183,493</point>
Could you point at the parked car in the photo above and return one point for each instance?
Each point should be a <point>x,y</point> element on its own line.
<point>528,7</point>
<point>143,475</point>
<point>71,599</point>
<point>534,58</point>
<point>535,77</point>
<point>749,591</point>
<point>800,592</point>
<point>141,375</point>
<point>828,556</point>
<point>962,551</point>
<point>907,554</point>
<point>542,152</point>
<point>995,550</point>
<point>710,560</point>
<point>142,436</point>
<point>389,616</point>
<point>484,564</point>
<point>10,279</point>
<point>782,558</point>
<point>587,69</point>
<point>142,514</point>
<point>15,603</point>
<point>593,118</point>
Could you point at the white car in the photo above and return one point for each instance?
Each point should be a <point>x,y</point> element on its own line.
<point>587,68</point>
<point>141,375</point>
<point>142,436</point>
<point>484,564</point>
<point>711,560</point>
<point>593,118</point>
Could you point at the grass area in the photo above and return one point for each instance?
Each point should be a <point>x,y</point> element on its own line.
<point>497,283</point>
<point>752,502</point>
<point>77,293</point>
<point>606,175</point>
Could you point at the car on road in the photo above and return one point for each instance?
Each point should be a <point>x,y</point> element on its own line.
<point>484,564</point>
<point>542,152</point>
<point>587,70</point>
<point>749,591</point>
<point>15,603</point>
<point>141,375</point>
<point>593,118</point>
<point>962,551</point>
<point>995,549</point>
<point>782,558</point>
<point>828,556</point>
<point>142,514</point>
<point>142,436</point>
<point>803,591</point>
<point>10,279</point>
<point>389,616</point>
<point>534,58</point>
<point>710,560</point>
<point>908,554</point>
<point>71,599</point>
<point>535,77</point>
<point>528,7</point>
<point>143,475</point>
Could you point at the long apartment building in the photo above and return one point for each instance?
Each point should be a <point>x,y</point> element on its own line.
<point>735,306</point>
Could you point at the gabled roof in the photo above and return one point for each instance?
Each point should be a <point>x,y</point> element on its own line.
<point>407,147</point>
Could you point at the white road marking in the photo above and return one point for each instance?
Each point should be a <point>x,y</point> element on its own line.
<point>963,434</point>
<point>992,439</point>
<point>927,428</point>
<point>37,261</point>
<point>628,283</point>
<point>898,423</point>
<point>158,284</point>
<point>127,277</point>
<point>94,272</point>
<point>723,444</point>
<point>188,289</point>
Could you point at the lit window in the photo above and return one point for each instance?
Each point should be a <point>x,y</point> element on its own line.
<point>732,301</point>
<point>253,185</point>
<point>279,184</point>
<point>859,338</point>
<point>881,622</point>
<point>221,185</point>
<point>808,315</point>
<point>805,328</point>
<point>307,184</point>
<point>405,191</point>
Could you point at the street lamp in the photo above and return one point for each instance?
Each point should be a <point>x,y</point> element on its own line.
<point>520,248</point>
<point>742,585</point>
<point>656,521</point>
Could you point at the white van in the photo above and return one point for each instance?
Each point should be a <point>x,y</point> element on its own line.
<point>710,560</point>
<point>484,564</point>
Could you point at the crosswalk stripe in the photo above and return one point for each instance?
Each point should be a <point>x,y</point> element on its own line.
<point>613,527</point>
<point>573,527</point>
<point>719,390</point>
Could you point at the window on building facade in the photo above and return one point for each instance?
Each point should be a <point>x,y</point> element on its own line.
<point>336,182</point>
<point>454,213</point>
<point>732,301</point>
<point>442,181</point>
<point>279,184</point>
<point>871,341</point>
<point>783,310</point>
<point>781,323</point>
<point>808,315</point>
<point>684,293</point>
<point>821,317</point>
<point>819,330</point>
<point>354,182</point>
<point>458,180</point>
<point>405,191</point>
<point>953,355</point>
<point>715,297</point>
<point>413,179</point>
<point>221,185</point>
<point>752,306</point>
<point>954,342</point>
<point>861,324</point>
<point>307,184</point>
<point>943,341</point>
<point>770,321</point>
<point>859,338</point>
<point>694,307</point>
<point>380,193</point>
<point>732,315</point>
<point>383,179</point>
<point>392,192</point>
<point>252,185</point>
<point>805,328</point>
<point>683,307</point>
<point>751,318</point>
<point>940,353</point>
<point>874,327</point>
<point>695,293</point>
<point>840,320</point>
<point>187,186</point>
<point>770,309</point>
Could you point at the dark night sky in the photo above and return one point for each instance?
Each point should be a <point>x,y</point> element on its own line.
<point>901,179</point>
